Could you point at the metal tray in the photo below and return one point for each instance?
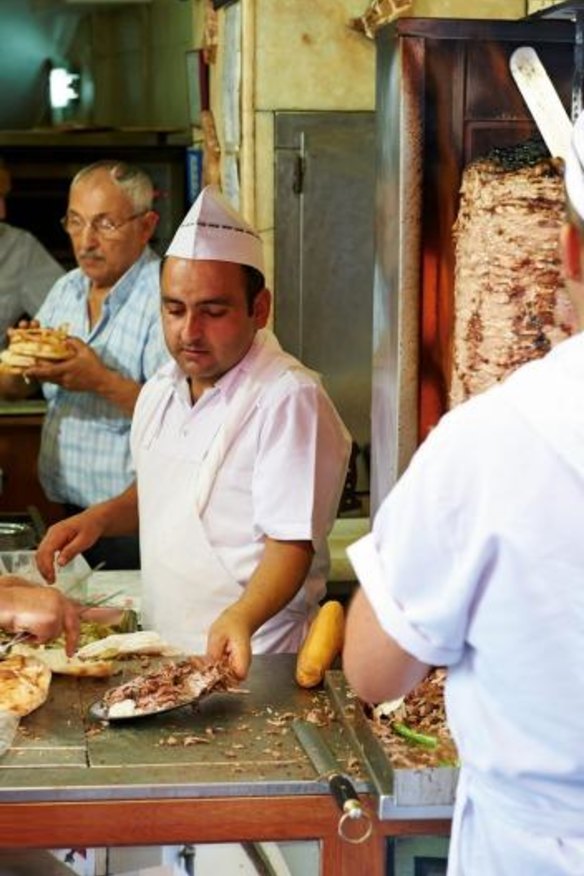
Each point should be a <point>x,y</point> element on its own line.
<point>99,712</point>
<point>15,536</point>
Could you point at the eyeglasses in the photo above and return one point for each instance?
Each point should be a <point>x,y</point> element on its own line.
<point>103,226</point>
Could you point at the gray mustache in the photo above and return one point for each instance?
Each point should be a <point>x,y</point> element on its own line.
<point>91,253</point>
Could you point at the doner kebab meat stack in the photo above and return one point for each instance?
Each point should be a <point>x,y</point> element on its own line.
<point>510,303</point>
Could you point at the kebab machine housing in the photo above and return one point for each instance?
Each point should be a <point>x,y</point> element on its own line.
<point>445,97</point>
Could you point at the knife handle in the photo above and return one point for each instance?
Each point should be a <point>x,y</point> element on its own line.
<point>344,793</point>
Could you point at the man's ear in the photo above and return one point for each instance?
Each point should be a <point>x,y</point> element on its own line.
<point>149,221</point>
<point>571,252</point>
<point>261,307</point>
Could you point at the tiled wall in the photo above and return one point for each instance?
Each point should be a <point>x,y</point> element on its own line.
<point>306,57</point>
<point>536,5</point>
<point>464,9</point>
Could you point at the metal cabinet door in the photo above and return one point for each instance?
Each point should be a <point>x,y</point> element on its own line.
<point>325,176</point>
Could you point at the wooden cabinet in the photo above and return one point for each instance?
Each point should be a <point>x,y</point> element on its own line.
<point>20,433</point>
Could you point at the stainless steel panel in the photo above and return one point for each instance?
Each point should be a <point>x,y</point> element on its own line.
<point>398,207</point>
<point>325,172</point>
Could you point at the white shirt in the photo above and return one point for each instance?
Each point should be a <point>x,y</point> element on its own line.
<point>282,476</point>
<point>476,562</point>
<point>27,272</point>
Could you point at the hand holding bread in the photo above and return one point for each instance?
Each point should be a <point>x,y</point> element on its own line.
<point>31,345</point>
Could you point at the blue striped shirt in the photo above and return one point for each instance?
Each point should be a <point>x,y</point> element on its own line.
<point>85,453</point>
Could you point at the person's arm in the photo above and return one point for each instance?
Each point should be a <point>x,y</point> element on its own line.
<point>278,577</point>
<point>41,611</point>
<point>67,538</point>
<point>85,372</point>
<point>376,667</point>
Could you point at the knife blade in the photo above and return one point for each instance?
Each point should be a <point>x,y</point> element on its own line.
<point>542,99</point>
<point>327,766</point>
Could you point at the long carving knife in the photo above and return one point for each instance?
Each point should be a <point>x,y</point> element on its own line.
<point>541,97</point>
<point>341,787</point>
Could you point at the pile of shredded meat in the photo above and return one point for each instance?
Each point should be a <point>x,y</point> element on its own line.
<point>170,685</point>
<point>422,712</point>
<point>510,304</point>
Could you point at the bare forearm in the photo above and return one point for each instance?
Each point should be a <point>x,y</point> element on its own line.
<point>119,390</point>
<point>376,667</point>
<point>67,538</point>
<point>118,516</point>
<point>277,579</point>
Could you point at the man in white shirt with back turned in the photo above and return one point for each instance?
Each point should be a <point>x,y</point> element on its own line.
<point>476,563</point>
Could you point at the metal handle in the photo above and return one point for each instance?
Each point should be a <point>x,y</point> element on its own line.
<point>353,813</point>
<point>350,805</point>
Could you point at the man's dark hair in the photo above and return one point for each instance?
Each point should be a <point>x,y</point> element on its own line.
<point>254,283</point>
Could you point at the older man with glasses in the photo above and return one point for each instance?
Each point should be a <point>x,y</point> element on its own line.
<point>110,304</point>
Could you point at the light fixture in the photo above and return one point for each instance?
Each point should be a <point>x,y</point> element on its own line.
<point>62,87</point>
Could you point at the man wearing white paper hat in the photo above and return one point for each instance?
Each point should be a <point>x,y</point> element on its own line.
<point>476,563</point>
<point>240,459</point>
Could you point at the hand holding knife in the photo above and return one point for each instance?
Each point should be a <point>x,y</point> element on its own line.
<point>341,787</point>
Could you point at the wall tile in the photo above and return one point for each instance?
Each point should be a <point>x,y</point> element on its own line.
<point>307,57</point>
<point>537,5</point>
<point>464,9</point>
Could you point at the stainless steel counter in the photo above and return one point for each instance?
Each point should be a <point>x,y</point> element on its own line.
<point>231,771</point>
<point>235,744</point>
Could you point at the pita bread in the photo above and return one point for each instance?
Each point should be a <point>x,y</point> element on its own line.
<point>57,661</point>
<point>124,644</point>
<point>24,684</point>
<point>28,345</point>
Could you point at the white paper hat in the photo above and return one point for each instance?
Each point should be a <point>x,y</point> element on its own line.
<point>212,229</point>
<point>574,172</point>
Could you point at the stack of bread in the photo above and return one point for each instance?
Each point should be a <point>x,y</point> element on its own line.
<point>34,345</point>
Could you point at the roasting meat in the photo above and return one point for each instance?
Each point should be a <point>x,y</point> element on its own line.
<point>510,303</point>
<point>171,685</point>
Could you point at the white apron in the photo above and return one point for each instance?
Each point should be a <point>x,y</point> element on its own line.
<point>185,586</point>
